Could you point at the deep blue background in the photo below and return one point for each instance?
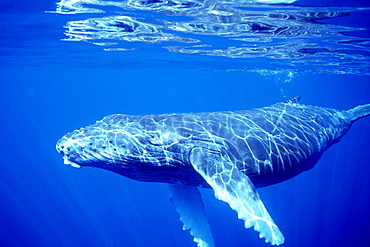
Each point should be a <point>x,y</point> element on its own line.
<point>49,88</point>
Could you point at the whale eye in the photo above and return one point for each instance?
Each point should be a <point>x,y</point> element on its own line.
<point>186,133</point>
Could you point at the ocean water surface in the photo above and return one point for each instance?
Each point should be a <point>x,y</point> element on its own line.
<point>66,64</point>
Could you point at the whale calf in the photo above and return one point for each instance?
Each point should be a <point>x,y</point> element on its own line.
<point>231,152</point>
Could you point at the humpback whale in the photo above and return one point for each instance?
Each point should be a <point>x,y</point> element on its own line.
<point>231,152</point>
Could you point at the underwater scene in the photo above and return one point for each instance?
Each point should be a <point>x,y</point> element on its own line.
<point>161,123</point>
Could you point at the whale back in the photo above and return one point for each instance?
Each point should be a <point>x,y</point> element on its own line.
<point>285,139</point>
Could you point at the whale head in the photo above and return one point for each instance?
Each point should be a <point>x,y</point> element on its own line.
<point>115,141</point>
<point>137,147</point>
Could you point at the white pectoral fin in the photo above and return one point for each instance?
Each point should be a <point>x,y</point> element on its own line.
<point>235,188</point>
<point>189,205</point>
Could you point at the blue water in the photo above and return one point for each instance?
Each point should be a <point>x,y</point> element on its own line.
<point>52,84</point>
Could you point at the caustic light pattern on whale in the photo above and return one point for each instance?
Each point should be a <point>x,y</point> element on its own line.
<point>232,152</point>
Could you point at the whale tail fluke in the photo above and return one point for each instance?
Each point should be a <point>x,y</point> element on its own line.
<point>358,112</point>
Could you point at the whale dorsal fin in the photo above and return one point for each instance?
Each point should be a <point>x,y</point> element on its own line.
<point>295,100</point>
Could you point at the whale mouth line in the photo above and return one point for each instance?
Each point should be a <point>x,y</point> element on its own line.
<point>70,163</point>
